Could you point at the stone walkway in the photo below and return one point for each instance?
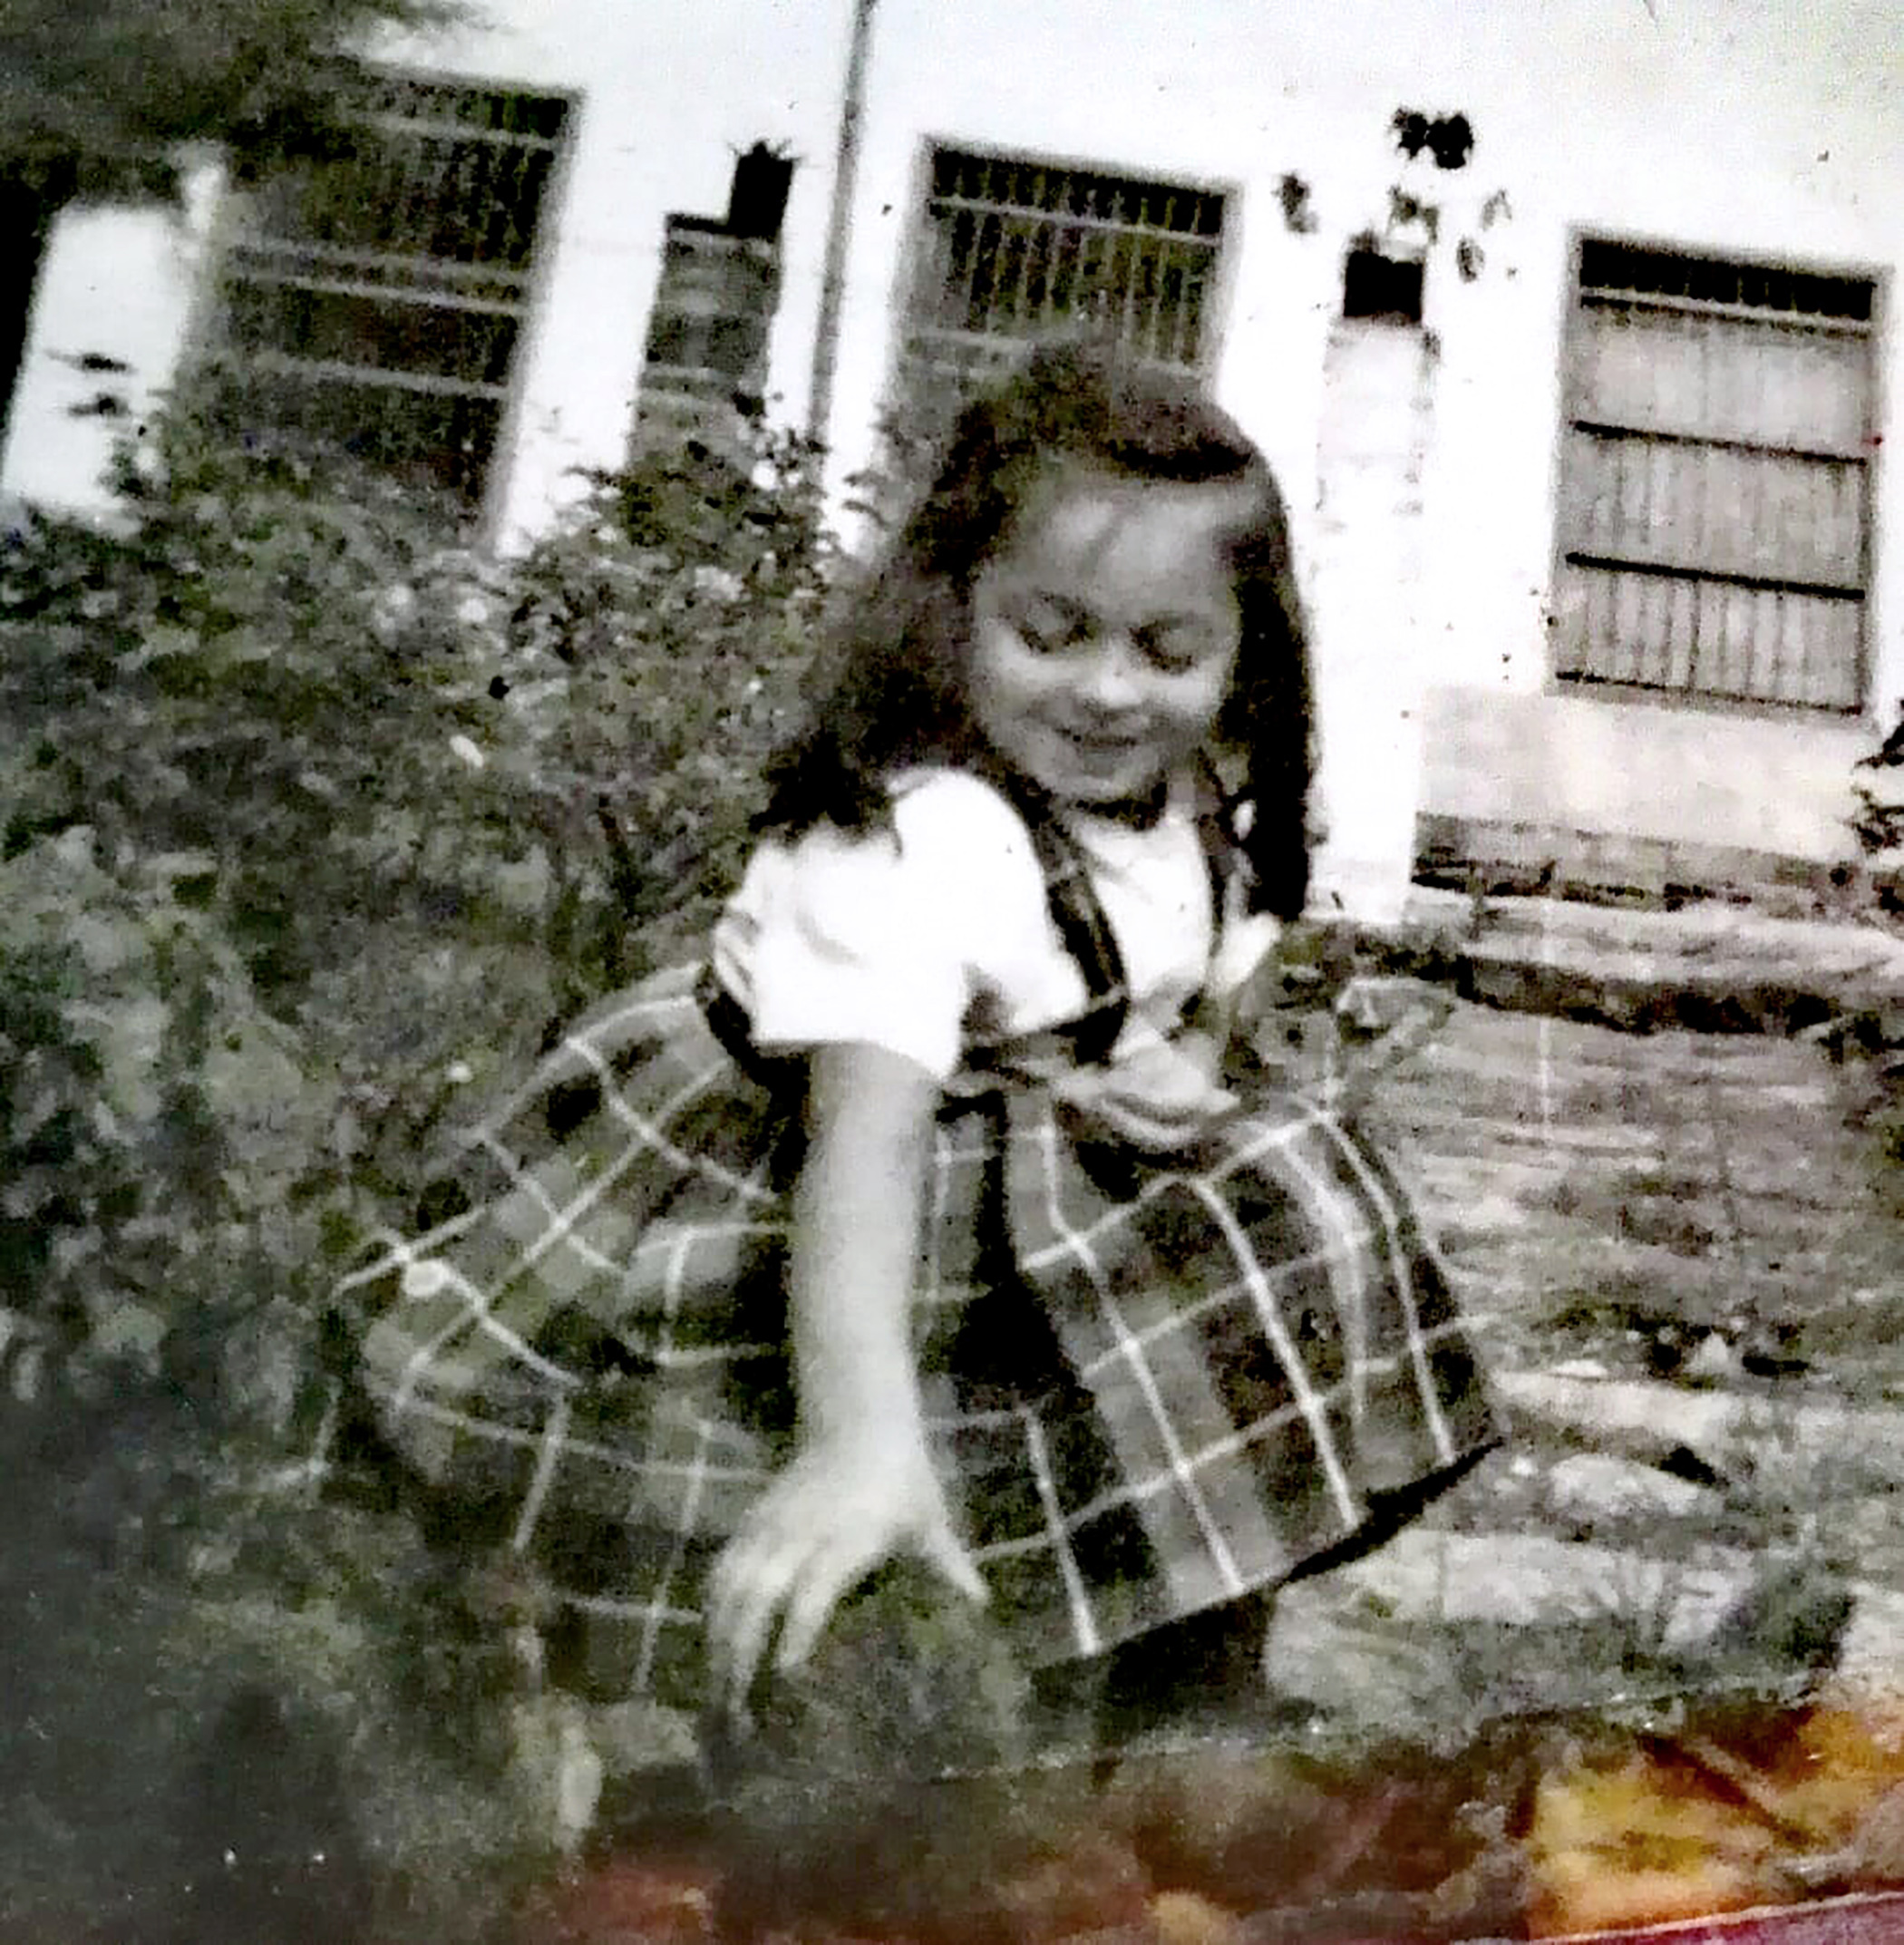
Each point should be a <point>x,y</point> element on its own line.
<point>1592,1183</point>
<point>1691,1295</point>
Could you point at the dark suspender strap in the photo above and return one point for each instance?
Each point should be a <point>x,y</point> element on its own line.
<point>727,1021</point>
<point>782,1074</point>
<point>1079,917</point>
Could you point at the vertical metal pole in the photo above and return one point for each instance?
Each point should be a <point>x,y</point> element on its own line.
<point>838,228</point>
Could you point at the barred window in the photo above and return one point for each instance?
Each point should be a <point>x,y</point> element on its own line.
<point>374,303</point>
<point>1715,531</point>
<point>1014,249</point>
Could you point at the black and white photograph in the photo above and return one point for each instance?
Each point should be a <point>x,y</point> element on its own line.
<point>951,972</point>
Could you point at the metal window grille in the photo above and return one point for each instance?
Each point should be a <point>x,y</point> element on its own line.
<point>1714,528</point>
<point>374,302</point>
<point>1014,250</point>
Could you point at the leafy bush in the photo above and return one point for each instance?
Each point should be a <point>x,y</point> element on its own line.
<point>310,817</point>
<point>665,628</point>
<point>1876,1037</point>
<point>1878,823</point>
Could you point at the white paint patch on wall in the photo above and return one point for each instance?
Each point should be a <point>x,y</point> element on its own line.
<point>1679,775</point>
<point>116,284</point>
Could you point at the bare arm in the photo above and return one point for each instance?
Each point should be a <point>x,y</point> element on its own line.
<point>860,1487</point>
<point>856,1225</point>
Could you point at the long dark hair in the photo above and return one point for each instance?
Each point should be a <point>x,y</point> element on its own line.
<point>899,696</point>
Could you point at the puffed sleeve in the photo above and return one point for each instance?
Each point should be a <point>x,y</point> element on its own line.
<point>871,936</point>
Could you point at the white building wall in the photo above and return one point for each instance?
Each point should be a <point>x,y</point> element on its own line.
<point>118,288</point>
<point>1725,126</point>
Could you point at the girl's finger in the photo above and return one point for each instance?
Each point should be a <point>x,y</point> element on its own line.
<point>726,1585</point>
<point>812,1603</point>
<point>745,1594</point>
<point>741,1663</point>
<point>753,1556</point>
<point>946,1552</point>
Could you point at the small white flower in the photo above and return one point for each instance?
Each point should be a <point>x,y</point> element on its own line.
<point>468,750</point>
<point>460,1073</point>
<point>392,612</point>
<point>472,610</point>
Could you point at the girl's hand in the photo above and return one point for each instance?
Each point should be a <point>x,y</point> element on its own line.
<point>838,1511</point>
<point>860,1487</point>
<point>1158,1099</point>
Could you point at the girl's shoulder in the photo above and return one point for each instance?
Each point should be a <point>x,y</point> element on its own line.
<point>884,933</point>
<point>949,836</point>
<point>940,806</point>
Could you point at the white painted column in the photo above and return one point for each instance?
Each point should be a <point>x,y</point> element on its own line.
<point>1377,419</point>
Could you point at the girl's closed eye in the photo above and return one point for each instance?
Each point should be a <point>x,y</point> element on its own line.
<point>1178,643</point>
<point>1049,625</point>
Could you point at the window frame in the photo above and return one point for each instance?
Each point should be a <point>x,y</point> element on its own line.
<point>247,243</point>
<point>916,291</point>
<point>1565,555</point>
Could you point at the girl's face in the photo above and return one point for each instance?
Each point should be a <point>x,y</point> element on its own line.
<point>1104,632</point>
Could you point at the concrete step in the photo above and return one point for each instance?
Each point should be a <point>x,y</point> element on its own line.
<point>1674,1605</point>
<point>1694,1176</point>
<point>1755,1435</point>
<point>1704,966</point>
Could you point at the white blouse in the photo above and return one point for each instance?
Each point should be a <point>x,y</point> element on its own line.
<point>915,937</point>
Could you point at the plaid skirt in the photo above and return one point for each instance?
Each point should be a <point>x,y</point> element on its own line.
<point>1154,1383</point>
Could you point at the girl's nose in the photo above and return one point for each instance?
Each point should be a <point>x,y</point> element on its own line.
<point>1111,679</point>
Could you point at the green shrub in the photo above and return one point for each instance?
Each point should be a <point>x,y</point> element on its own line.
<point>1879,821</point>
<point>1876,1038</point>
<point>678,604</point>
<point>311,819</point>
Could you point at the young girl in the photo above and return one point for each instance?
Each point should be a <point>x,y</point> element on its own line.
<point>938,1217</point>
